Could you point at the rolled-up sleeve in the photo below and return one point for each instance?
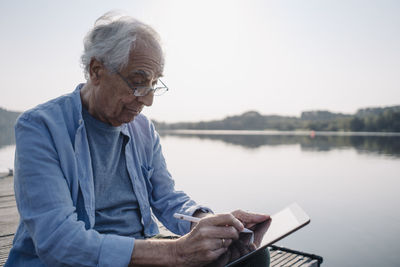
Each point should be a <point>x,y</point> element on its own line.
<point>47,210</point>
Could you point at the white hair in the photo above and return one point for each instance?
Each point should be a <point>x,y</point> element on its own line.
<point>112,39</point>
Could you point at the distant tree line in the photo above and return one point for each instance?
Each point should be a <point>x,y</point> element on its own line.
<point>370,119</point>
<point>377,120</point>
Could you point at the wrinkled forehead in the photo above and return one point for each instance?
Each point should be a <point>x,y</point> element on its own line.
<point>146,58</point>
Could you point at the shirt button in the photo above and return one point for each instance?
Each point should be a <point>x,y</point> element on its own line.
<point>80,121</point>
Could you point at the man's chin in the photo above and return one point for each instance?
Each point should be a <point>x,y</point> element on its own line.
<point>120,121</point>
<point>129,118</point>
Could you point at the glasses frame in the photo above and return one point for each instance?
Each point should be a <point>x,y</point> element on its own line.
<point>148,89</point>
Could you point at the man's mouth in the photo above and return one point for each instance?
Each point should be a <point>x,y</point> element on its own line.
<point>134,111</point>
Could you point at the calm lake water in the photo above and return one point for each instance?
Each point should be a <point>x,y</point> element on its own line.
<point>349,185</point>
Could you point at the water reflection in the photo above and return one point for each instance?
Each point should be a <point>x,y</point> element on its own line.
<point>6,137</point>
<point>384,145</point>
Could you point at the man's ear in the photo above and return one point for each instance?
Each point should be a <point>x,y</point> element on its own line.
<point>95,70</point>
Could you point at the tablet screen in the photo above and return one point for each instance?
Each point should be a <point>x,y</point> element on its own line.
<point>281,224</point>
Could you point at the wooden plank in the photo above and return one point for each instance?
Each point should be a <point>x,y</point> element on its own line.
<point>7,186</point>
<point>299,261</point>
<point>276,255</point>
<point>277,261</point>
<point>295,260</point>
<point>313,263</point>
<point>5,246</point>
<point>284,262</point>
<point>9,217</point>
<point>7,201</point>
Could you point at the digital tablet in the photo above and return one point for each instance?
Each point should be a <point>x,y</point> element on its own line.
<point>266,233</point>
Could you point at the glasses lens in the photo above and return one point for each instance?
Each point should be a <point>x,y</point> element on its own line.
<point>142,91</point>
<point>160,90</point>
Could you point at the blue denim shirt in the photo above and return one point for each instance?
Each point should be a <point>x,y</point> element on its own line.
<point>54,189</point>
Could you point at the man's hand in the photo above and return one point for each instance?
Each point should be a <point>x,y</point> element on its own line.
<point>214,240</point>
<point>208,240</point>
<point>240,247</point>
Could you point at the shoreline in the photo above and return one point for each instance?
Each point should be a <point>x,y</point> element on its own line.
<point>277,132</point>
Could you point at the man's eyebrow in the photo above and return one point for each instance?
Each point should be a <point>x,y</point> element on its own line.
<point>140,72</point>
<point>145,74</point>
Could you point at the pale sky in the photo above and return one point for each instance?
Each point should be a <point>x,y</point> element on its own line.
<point>222,57</point>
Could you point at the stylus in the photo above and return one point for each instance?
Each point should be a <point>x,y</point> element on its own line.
<point>196,220</point>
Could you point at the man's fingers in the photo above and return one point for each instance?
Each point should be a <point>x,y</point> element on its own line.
<point>216,244</point>
<point>227,242</point>
<point>249,217</point>
<point>214,254</point>
<point>210,231</point>
<point>223,220</point>
<point>252,247</point>
<point>227,232</point>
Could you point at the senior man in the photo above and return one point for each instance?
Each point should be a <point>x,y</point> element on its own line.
<point>90,174</point>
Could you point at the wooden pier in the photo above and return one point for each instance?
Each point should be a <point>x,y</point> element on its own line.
<point>9,221</point>
<point>8,217</point>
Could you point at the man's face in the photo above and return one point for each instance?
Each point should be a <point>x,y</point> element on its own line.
<point>114,102</point>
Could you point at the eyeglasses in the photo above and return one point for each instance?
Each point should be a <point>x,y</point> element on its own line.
<point>158,89</point>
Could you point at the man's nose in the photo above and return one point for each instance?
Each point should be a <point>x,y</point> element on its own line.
<point>146,100</point>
